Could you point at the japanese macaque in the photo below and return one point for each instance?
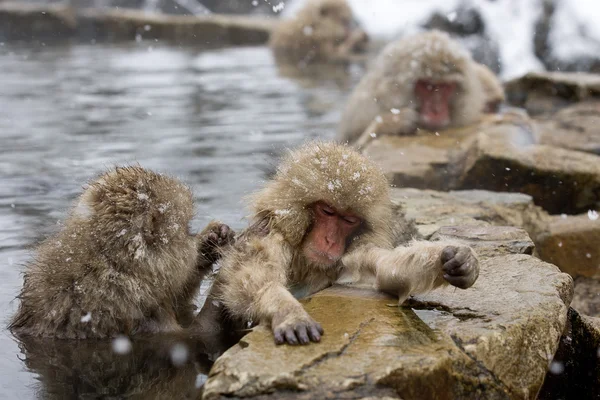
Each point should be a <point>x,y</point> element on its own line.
<point>426,81</point>
<point>322,31</point>
<point>492,88</point>
<point>123,263</point>
<point>324,218</point>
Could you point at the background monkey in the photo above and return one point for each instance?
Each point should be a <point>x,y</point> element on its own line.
<point>324,218</point>
<point>423,81</point>
<point>492,88</point>
<point>323,30</point>
<point>124,262</point>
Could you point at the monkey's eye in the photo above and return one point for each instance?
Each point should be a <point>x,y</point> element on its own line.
<point>325,209</point>
<point>351,220</point>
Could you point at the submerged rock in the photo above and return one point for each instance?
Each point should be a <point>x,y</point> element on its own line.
<point>494,340</point>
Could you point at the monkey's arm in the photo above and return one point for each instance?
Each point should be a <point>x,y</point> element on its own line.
<point>402,122</point>
<point>252,285</point>
<point>416,268</point>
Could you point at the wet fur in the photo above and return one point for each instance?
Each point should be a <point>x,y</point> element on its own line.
<point>262,276</point>
<point>390,81</point>
<point>123,263</point>
<point>312,37</point>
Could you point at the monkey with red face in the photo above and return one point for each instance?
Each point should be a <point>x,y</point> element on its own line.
<point>324,218</point>
<point>424,81</point>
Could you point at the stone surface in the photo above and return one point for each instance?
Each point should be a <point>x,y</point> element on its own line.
<point>493,340</point>
<point>546,92</point>
<point>209,30</point>
<point>45,22</point>
<point>429,210</point>
<point>22,21</point>
<point>559,180</point>
<point>576,127</point>
<point>498,154</point>
<point>573,244</point>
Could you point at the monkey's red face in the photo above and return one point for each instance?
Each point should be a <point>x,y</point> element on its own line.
<point>326,242</point>
<point>434,103</point>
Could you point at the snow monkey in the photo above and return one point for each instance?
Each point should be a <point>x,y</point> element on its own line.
<point>323,30</point>
<point>492,88</point>
<point>324,218</point>
<point>123,263</point>
<point>423,81</point>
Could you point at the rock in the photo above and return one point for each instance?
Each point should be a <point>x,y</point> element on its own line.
<point>575,127</point>
<point>560,181</point>
<point>575,372</point>
<point>586,298</point>
<point>426,160</point>
<point>206,30</point>
<point>573,244</point>
<point>491,341</point>
<point>429,210</point>
<point>547,92</point>
<point>23,21</point>
<point>499,154</point>
<point>19,21</point>
<point>488,241</point>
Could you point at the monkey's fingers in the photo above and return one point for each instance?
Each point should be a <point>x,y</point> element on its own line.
<point>315,331</point>
<point>462,269</point>
<point>290,336</point>
<point>278,335</point>
<point>302,334</point>
<point>461,282</point>
<point>448,253</point>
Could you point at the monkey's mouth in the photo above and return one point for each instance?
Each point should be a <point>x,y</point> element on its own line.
<point>322,258</point>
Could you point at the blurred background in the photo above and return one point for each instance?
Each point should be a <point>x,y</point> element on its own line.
<point>80,92</point>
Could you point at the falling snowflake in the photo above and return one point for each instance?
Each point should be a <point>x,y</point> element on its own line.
<point>86,318</point>
<point>121,345</point>
<point>179,354</point>
<point>593,215</point>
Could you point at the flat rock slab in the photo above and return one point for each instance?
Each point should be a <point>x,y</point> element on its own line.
<point>547,92</point>
<point>494,340</point>
<point>576,127</point>
<point>429,210</point>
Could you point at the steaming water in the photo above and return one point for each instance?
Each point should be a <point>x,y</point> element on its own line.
<point>215,119</point>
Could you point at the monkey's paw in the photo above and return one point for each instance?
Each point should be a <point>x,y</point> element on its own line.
<point>213,239</point>
<point>295,329</point>
<point>461,267</point>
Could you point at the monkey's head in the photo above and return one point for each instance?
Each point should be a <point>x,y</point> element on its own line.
<point>326,198</point>
<point>438,73</point>
<point>133,213</point>
<point>329,13</point>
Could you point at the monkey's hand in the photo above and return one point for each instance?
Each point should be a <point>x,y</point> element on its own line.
<point>460,266</point>
<point>295,327</point>
<point>213,239</point>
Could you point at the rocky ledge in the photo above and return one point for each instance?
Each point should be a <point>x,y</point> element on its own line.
<point>495,340</point>
<point>22,21</point>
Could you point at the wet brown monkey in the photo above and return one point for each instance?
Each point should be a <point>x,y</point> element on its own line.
<point>322,31</point>
<point>424,81</point>
<point>324,218</point>
<point>123,263</point>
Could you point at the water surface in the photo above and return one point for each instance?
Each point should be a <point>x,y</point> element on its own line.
<point>216,119</point>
